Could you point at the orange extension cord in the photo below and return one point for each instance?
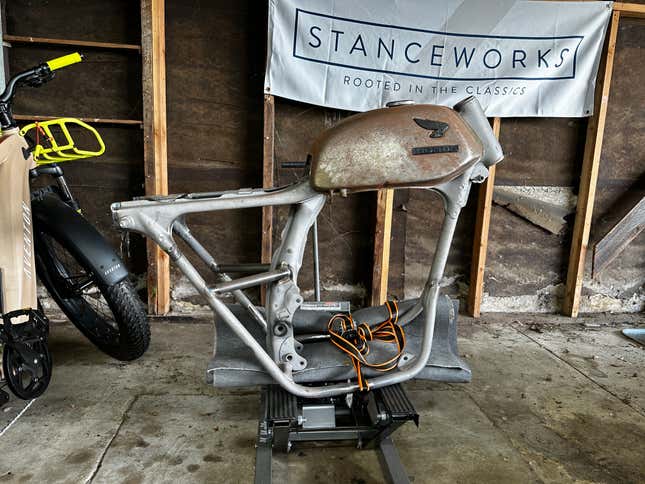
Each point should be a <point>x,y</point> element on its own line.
<point>354,340</point>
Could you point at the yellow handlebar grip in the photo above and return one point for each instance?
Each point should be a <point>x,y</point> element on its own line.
<point>64,61</point>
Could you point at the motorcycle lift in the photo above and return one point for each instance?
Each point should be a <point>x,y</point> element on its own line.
<point>368,418</point>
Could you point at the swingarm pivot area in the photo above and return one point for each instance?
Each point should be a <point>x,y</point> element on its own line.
<point>369,419</point>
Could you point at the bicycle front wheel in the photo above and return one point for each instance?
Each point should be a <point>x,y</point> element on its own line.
<point>111,317</point>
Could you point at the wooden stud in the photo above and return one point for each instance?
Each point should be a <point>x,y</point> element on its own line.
<point>382,235</point>
<point>634,10</point>
<point>21,39</point>
<point>589,177</point>
<point>155,141</point>
<point>480,246</point>
<point>268,160</point>
<point>267,176</point>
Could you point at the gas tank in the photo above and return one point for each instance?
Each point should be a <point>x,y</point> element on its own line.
<point>412,145</point>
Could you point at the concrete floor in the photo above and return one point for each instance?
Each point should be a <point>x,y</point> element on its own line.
<point>550,401</point>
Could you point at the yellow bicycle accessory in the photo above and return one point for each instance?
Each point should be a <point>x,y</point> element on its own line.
<point>64,61</point>
<point>60,150</point>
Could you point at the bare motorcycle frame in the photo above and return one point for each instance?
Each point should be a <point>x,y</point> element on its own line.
<point>404,145</point>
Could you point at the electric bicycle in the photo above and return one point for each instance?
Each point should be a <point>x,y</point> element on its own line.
<point>44,235</point>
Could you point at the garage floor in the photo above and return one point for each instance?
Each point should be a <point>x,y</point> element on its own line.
<point>549,403</point>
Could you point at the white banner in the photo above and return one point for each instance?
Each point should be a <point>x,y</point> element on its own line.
<point>520,58</point>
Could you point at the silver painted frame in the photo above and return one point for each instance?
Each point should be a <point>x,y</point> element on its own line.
<point>161,218</point>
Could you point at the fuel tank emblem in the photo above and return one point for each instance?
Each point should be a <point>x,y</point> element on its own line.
<point>437,128</point>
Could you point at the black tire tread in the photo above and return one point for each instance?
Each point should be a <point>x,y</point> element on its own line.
<point>134,330</point>
<point>128,310</point>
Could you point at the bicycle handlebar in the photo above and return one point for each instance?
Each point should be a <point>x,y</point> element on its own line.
<point>34,77</point>
<point>64,61</point>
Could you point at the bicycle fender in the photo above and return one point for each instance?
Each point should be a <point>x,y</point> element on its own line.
<point>52,215</point>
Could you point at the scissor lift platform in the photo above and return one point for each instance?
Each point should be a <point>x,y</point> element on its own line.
<point>369,419</point>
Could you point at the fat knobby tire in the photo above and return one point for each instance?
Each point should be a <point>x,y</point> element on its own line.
<point>134,330</point>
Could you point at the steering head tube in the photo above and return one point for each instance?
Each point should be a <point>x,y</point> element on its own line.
<point>471,111</point>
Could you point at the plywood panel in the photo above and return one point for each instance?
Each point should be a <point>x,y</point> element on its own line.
<point>215,60</point>
<point>541,151</point>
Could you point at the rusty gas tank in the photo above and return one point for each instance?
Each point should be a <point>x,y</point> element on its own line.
<point>404,146</point>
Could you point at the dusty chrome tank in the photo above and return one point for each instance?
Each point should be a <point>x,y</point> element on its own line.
<point>403,146</point>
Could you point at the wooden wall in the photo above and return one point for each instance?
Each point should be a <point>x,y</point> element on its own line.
<point>215,70</point>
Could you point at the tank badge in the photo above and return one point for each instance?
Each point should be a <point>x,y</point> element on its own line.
<point>437,128</point>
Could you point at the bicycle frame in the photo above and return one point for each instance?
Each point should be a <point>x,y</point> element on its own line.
<point>160,218</point>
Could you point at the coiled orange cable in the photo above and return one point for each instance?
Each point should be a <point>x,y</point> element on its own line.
<point>354,339</point>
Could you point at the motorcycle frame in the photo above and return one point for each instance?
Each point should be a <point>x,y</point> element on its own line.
<point>161,218</point>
